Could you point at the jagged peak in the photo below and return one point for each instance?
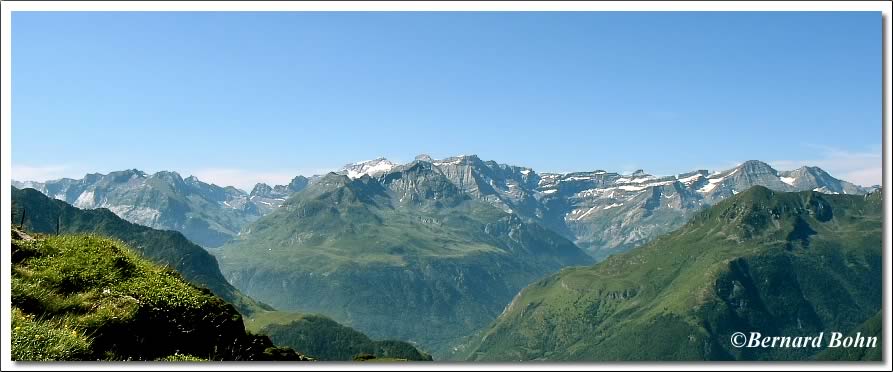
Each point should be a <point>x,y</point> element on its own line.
<point>812,170</point>
<point>459,159</point>
<point>135,171</point>
<point>123,175</point>
<point>298,183</point>
<point>371,167</point>
<point>756,165</point>
<point>416,166</point>
<point>332,178</point>
<point>261,189</point>
<point>377,160</point>
<point>165,173</point>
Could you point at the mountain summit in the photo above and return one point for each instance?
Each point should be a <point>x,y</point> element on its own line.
<point>603,212</point>
<point>405,255</point>
<point>369,167</point>
<point>793,264</point>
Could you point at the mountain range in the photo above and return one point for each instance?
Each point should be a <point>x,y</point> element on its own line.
<point>602,212</point>
<point>402,255</point>
<point>35,212</point>
<point>433,251</point>
<point>315,335</point>
<point>792,264</point>
<point>207,214</point>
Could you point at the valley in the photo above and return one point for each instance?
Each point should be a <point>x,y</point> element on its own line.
<point>430,253</point>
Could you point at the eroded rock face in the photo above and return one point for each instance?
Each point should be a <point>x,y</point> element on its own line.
<point>405,255</point>
<point>603,212</point>
<point>208,215</point>
<point>606,212</point>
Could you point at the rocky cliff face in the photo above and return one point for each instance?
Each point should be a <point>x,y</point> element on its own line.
<point>206,214</point>
<point>603,212</point>
<point>606,212</point>
<point>266,198</point>
<point>404,255</point>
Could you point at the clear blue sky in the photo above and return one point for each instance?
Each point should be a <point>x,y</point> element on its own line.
<point>245,97</point>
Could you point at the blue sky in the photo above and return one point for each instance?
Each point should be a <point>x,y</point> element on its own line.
<point>237,98</point>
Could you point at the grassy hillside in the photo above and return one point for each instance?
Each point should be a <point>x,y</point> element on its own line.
<point>168,248</point>
<point>873,327</point>
<point>783,264</point>
<point>83,297</point>
<point>324,339</point>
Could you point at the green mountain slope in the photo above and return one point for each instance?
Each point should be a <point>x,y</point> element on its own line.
<point>782,264</point>
<point>404,256</point>
<point>207,214</point>
<point>169,248</point>
<point>82,297</point>
<point>872,327</point>
<point>325,339</point>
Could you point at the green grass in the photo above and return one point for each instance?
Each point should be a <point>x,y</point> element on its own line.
<point>324,339</point>
<point>872,327</point>
<point>181,358</point>
<point>85,297</point>
<point>167,248</point>
<point>359,242</point>
<point>779,263</point>
<point>46,340</point>
<point>261,320</point>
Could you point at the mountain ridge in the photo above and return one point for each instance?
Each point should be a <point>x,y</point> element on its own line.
<point>39,213</point>
<point>603,212</point>
<point>779,263</point>
<point>403,255</point>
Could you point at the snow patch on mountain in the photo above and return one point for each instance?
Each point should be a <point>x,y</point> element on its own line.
<point>714,180</point>
<point>369,167</point>
<point>583,215</point>
<point>85,200</point>
<point>687,181</point>
<point>632,188</point>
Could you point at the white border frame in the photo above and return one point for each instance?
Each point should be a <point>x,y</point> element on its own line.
<point>6,164</point>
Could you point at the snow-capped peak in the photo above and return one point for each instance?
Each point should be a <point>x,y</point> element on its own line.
<point>369,167</point>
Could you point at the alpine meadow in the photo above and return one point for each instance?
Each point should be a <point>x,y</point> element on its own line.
<point>473,187</point>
